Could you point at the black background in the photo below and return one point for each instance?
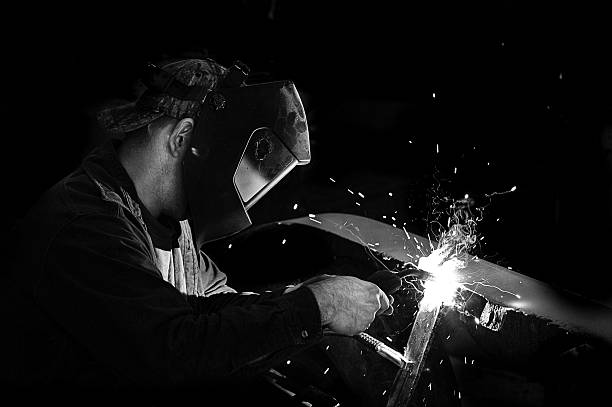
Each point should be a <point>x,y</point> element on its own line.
<point>524,87</point>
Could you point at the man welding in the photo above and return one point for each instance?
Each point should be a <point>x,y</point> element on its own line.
<point>111,288</point>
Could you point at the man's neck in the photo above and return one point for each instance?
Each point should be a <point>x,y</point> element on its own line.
<point>145,176</point>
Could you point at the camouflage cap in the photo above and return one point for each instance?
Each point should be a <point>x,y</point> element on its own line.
<point>153,104</point>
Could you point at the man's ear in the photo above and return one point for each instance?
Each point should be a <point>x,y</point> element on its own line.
<point>180,137</point>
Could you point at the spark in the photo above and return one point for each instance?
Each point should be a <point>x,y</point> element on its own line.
<point>327,347</point>
<point>492,286</point>
<point>229,246</point>
<point>284,241</point>
<point>310,215</point>
<point>406,232</point>
<point>437,149</point>
<point>384,216</point>
<point>389,339</point>
<point>361,195</point>
<point>295,206</point>
<point>357,203</point>
<point>390,193</point>
<point>288,362</point>
<point>410,141</point>
<point>314,220</point>
<point>433,95</point>
<point>455,170</point>
<point>332,180</point>
<point>326,370</point>
<point>350,191</point>
<point>501,193</point>
<point>441,360</point>
<point>384,392</point>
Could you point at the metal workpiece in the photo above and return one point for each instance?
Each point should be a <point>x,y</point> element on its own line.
<point>507,289</point>
<point>417,349</point>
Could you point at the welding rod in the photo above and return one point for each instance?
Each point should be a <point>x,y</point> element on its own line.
<point>383,350</point>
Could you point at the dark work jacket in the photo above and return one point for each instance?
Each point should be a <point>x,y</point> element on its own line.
<point>89,306</point>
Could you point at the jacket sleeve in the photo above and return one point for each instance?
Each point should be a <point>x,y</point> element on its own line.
<point>101,286</point>
<point>213,303</point>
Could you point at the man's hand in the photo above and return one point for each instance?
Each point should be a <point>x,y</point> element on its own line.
<point>348,305</point>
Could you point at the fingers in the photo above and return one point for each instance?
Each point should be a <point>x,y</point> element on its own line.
<point>389,310</point>
<point>385,303</point>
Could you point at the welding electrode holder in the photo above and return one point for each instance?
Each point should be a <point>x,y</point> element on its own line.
<point>389,283</point>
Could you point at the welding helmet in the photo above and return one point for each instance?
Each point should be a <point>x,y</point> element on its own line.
<point>246,138</point>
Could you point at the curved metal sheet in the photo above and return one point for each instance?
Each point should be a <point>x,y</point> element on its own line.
<point>496,284</point>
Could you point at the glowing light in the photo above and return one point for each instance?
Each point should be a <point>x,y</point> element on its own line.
<point>288,362</point>
<point>513,189</point>
<point>441,287</point>
<point>434,95</point>
<point>437,148</point>
<point>295,206</point>
<point>284,241</point>
<point>310,215</point>
<point>229,246</point>
<point>390,193</point>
